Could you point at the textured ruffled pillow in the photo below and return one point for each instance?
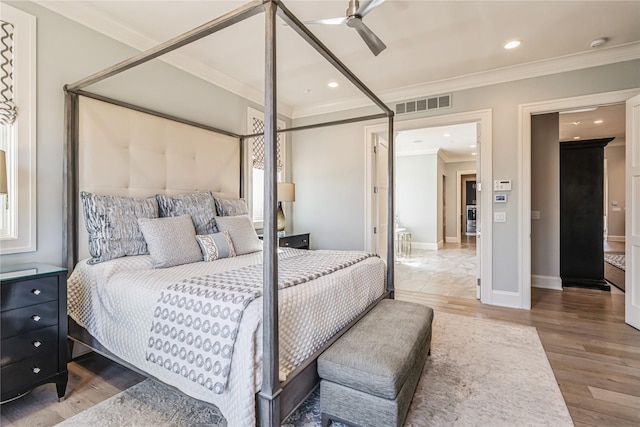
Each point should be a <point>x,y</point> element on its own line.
<point>171,240</point>
<point>216,246</point>
<point>244,236</point>
<point>231,207</point>
<point>112,223</point>
<point>201,207</point>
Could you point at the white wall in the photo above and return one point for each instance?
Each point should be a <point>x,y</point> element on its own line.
<point>67,52</point>
<point>615,156</point>
<point>503,100</point>
<point>416,197</point>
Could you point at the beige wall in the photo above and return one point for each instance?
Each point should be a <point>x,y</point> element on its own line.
<point>545,197</point>
<point>615,156</point>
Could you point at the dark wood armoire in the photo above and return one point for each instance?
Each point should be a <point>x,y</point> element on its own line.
<point>582,213</point>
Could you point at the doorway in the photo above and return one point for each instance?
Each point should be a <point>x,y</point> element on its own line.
<point>589,101</point>
<point>436,263</point>
<point>484,122</point>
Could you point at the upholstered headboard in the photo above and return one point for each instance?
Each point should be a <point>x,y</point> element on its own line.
<point>130,153</point>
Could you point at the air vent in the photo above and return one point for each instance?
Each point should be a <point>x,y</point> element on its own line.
<point>424,104</point>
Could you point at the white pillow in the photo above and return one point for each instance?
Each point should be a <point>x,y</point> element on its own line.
<point>171,240</point>
<point>244,236</point>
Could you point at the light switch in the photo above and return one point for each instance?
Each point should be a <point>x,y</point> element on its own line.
<point>499,217</point>
<point>535,214</point>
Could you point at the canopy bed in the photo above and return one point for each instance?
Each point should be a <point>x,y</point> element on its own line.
<point>166,158</point>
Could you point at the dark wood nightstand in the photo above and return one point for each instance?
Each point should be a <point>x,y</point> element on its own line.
<point>295,240</point>
<point>33,328</point>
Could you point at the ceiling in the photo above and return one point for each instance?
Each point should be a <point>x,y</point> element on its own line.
<point>432,46</point>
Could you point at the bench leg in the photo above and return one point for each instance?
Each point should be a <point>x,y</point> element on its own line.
<point>325,420</point>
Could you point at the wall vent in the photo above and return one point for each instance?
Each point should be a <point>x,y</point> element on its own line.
<point>424,104</point>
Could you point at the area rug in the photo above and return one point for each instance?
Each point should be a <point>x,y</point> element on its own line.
<point>615,259</point>
<point>480,373</point>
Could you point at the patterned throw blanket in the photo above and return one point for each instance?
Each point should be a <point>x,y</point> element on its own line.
<point>196,320</point>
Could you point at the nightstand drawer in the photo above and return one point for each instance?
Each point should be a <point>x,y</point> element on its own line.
<point>300,241</point>
<point>19,347</point>
<point>29,292</point>
<point>18,377</point>
<point>29,319</point>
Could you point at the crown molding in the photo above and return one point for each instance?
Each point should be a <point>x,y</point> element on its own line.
<point>626,52</point>
<point>80,13</point>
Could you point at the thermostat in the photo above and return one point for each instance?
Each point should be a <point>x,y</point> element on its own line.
<point>500,198</point>
<point>502,185</point>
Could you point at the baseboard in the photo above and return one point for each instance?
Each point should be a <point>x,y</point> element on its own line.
<point>506,299</point>
<point>451,239</point>
<point>616,239</point>
<point>440,244</point>
<point>546,282</point>
<point>428,246</point>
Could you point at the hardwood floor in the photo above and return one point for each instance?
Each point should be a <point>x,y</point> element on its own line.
<point>594,355</point>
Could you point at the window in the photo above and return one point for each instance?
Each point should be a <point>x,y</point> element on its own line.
<point>255,164</point>
<point>17,129</point>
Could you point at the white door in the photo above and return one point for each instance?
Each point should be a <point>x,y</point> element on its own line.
<point>381,195</point>
<point>478,212</point>
<point>632,219</point>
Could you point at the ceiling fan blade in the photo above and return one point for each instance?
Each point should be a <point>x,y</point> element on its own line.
<point>367,6</point>
<point>328,21</point>
<point>375,44</point>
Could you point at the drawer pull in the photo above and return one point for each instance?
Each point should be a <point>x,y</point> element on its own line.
<point>37,344</point>
<point>286,243</point>
<point>36,291</point>
<point>36,370</point>
<point>36,318</point>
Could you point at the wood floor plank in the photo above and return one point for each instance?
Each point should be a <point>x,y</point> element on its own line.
<point>615,397</point>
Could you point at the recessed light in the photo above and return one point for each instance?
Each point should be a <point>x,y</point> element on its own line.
<point>512,44</point>
<point>473,154</point>
<point>576,137</point>
<point>598,122</point>
<point>447,135</point>
<point>472,146</point>
<point>333,84</point>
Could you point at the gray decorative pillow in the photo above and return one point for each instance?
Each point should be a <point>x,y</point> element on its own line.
<point>201,207</point>
<point>171,240</point>
<point>112,223</point>
<point>216,246</point>
<point>231,207</point>
<point>243,235</point>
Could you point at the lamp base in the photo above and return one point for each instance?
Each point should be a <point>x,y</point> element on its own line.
<point>280,217</point>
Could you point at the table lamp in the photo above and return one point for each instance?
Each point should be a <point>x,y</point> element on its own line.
<point>286,193</point>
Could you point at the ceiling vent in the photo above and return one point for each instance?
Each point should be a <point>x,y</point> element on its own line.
<point>424,104</point>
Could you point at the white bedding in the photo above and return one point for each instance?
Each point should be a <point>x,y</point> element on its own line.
<point>114,301</point>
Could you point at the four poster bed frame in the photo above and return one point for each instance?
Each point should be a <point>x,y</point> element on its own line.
<point>275,400</point>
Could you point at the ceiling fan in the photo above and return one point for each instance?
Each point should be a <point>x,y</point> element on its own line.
<point>354,14</point>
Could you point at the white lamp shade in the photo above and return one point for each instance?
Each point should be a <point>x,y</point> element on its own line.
<point>286,192</point>
<point>3,173</point>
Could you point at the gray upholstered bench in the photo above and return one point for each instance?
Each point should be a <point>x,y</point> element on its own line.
<point>369,374</point>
